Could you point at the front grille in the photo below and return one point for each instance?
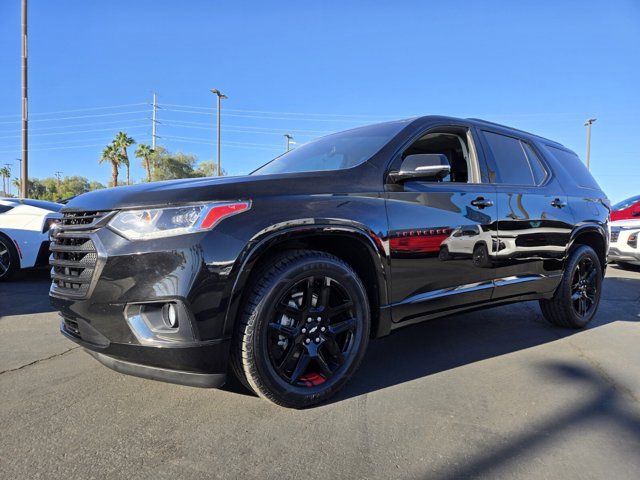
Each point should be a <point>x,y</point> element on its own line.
<point>80,220</point>
<point>74,256</point>
<point>614,236</point>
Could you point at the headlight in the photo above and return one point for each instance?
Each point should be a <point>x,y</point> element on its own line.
<point>164,222</point>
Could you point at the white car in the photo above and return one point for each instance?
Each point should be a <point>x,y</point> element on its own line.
<point>24,233</point>
<point>624,247</point>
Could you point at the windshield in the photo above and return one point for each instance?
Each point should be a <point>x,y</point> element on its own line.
<point>334,152</point>
<point>626,203</point>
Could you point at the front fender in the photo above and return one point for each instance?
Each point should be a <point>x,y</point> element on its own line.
<point>277,234</point>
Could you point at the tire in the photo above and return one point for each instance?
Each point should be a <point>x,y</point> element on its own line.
<point>304,329</point>
<point>481,256</point>
<point>9,259</point>
<point>565,308</point>
<point>444,254</point>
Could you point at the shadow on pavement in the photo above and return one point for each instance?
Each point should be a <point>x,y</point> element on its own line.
<point>607,404</point>
<point>26,294</point>
<point>449,342</point>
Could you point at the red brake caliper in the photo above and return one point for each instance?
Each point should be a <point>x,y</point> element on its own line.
<point>312,379</point>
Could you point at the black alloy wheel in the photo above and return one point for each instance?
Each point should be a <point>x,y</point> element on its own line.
<point>575,301</point>
<point>584,286</point>
<point>304,329</point>
<point>8,258</point>
<point>312,332</point>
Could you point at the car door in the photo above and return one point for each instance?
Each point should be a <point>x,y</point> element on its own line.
<point>534,222</point>
<point>431,249</point>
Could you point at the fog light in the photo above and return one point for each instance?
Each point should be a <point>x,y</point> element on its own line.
<point>170,315</point>
<point>633,240</point>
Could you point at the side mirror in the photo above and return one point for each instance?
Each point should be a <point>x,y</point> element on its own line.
<point>432,166</point>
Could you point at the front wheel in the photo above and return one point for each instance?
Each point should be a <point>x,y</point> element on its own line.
<point>304,329</point>
<point>576,300</point>
<point>9,260</point>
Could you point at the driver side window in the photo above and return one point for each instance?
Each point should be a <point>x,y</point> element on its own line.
<point>453,146</point>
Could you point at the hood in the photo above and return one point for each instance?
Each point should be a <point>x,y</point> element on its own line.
<point>210,189</point>
<point>626,224</point>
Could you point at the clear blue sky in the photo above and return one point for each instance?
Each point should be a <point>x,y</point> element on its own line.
<point>543,66</point>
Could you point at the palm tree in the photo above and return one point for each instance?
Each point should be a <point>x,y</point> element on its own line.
<point>121,142</point>
<point>6,174</point>
<point>144,152</point>
<point>111,154</point>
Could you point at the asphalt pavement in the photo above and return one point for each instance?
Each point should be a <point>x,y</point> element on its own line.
<point>497,393</point>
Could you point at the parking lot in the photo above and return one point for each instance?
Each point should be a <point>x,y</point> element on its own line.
<point>495,393</point>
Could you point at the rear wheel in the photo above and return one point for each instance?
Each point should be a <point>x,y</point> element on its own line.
<point>9,260</point>
<point>576,301</point>
<point>304,329</point>
<point>481,256</point>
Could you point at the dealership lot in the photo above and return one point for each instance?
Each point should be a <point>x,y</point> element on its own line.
<point>492,393</point>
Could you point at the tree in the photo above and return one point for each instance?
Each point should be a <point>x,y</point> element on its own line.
<point>169,166</point>
<point>5,172</point>
<point>111,154</point>
<point>207,169</point>
<point>121,142</point>
<point>144,152</point>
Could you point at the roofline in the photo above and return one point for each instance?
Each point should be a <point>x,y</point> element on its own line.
<point>506,127</point>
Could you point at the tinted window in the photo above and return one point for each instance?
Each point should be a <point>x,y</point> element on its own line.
<point>335,152</point>
<point>539,173</point>
<point>511,164</point>
<point>575,167</point>
<point>5,208</point>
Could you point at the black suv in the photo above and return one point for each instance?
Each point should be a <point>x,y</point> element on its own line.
<point>284,275</point>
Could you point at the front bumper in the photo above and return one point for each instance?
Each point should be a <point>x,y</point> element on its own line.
<point>198,365</point>
<point>624,255</point>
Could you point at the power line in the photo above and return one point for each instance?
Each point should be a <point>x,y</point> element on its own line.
<point>250,127</point>
<point>97,124</point>
<point>79,109</point>
<point>236,130</point>
<point>273,118</point>
<point>80,116</point>
<point>78,131</point>
<point>285,113</point>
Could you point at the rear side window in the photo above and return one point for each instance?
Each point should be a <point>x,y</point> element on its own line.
<point>515,162</point>
<point>573,164</point>
<point>5,208</point>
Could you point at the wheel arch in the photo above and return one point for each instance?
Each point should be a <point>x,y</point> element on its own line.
<point>593,235</point>
<point>362,250</point>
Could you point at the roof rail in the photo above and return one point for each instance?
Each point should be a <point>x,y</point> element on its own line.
<point>515,130</point>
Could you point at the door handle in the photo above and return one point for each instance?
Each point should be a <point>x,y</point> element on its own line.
<point>481,202</point>
<point>556,202</point>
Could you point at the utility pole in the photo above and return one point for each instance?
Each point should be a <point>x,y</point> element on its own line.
<point>58,175</point>
<point>220,96</point>
<point>588,124</point>
<point>25,115</point>
<point>289,140</point>
<point>153,122</point>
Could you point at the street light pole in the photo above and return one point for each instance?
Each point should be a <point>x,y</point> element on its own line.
<point>220,96</point>
<point>154,121</point>
<point>289,139</point>
<point>588,124</point>
<point>25,115</point>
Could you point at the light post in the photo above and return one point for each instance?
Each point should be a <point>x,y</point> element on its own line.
<point>289,140</point>
<point>220,96</point>
<point>588,124</point>
<point>25,116</point>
